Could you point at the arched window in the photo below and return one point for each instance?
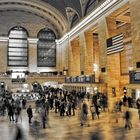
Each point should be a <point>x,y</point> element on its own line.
<point>89,6</point>
<point>46,48</point>
<point>75,20</point>
<point>18,47</point>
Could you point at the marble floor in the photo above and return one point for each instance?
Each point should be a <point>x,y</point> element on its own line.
<point>68,128</point>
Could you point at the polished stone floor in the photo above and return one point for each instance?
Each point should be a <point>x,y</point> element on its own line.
<point>68,128</point>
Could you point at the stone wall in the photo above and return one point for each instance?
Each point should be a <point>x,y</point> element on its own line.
<point>135,27</point>
<point>74,58</point>
<point>3,56</point>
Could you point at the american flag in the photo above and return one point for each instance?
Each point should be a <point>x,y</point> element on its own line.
<point>115,44</point>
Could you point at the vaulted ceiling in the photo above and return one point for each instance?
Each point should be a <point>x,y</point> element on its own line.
<point>33,15</point>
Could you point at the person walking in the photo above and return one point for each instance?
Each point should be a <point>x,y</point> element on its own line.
<point>138,103</point>
<point>17,113</point>
<point>129,102</point>
<point>127,118</point>
<point>73,108</point>
<point>84,113</point>
<point>67,108</point>
<point>139,113</point>
<point>43,116</point>
<point>97,110</point>
<point>30,113</point>
<point>11,112</point>
<point>24,103</point>
<point>124,100</point>
<point>92,109</point>
<point>19,133</point>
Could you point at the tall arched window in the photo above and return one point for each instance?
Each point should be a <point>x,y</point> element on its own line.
<point>75,20</point>
<point>18,47</point>
<point>46,48</point>
<point>89,6</point>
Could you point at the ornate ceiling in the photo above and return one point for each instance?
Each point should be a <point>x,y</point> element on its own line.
<point>58,15</point>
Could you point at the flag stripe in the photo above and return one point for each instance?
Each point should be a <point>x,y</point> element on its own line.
<point>120,44</point>
<point>115,48</point>
<point>117,40</point>
<point>115,51</point>
<point>115,44</point>
<point>117,36</point>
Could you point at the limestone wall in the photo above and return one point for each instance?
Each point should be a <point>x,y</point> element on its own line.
<point>135,26</point>
<point>3,56</point>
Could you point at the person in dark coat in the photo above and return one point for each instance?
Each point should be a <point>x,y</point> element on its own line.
<point>138,103</point>
<point>17,113</point>
<point>124,100</point>
<point>69,108</point>
<point>73,107</point>
<point>11,112</point>
<point>97,110</point>
<point>30,113</point>
<point>139,113</point>
<point>56,105</point>
<point>127,118</point>
<point>19,134</point>
<point>129,102</point>
<point>24,103</point>
<point>43,116</point>
<point>62,108</point>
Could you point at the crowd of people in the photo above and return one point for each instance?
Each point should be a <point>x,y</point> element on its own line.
<point>64,104</point>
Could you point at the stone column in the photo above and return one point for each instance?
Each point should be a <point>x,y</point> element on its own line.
<point>3,56</point>
<point>83,54</point>
<point>70,59</point>
<point>74,57</point>
<point>96,55</point>
<point>107,29</point>
<point>33,57</point>
<point>135,28</point>
<point>113,67</point>
<point>92,53</point>
<point>89,53</point>
<point>58,57</point>
<point>62,58</point>
<point>102,32</point>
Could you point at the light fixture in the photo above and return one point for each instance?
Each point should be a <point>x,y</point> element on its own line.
<point>130,68</point>
<point>95,88</point>
<point>95,67</point>
<point>2,83</point>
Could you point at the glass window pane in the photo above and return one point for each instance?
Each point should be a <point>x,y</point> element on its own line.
<point>46,51</point>
<point>17,63</point>
<point>18,50</point>
<point>18,58</point>
<point>17,53</point>
<point>18,47</point>
<point>17,34</point>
